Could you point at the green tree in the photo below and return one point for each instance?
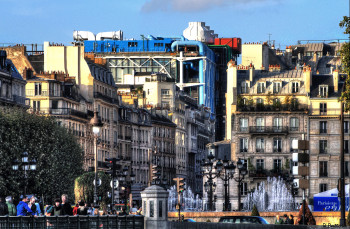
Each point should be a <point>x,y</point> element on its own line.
<point>345,55</point>
<point>255,211</point>
<point>309,218</point>
<point>84,188</point>
<point>58,155</point>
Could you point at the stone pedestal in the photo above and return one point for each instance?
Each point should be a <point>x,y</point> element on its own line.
<point>155,207</point>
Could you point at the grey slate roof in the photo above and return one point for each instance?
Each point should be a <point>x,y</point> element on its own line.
<point>318,80</point>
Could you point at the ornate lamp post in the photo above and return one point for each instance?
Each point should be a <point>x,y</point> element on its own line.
<point>226,173</point>
<point>96,129</point>
<point>26,166</point>
<point>242,171</point>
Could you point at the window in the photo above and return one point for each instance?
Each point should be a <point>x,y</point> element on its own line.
<point>323,127</point>
<point>294,124</point>
<point>244,188</point>
<point>243,123</point>
<point>260,124</point>
<point>323,89</point>
<point>261,87</point>
<point>260,145</point>
<point>160,208</point>
<point>151,208</point>
<point>36,105</point>
<point>244,87</point>
<point>346,146</point>
<point>260,101</point>
<point>165,92</point>
<point>295,87</point>
<point>276,87</point>
<point>346,168</point>
<point>37,89</point>
<point>277,145</point>
<point>276,102</point>
<point>323,187</point>
<point>323,108</point>
<point>132,44</point>
<point>277,124</point>
<point>243,145</point>
<point>323,169</point>
<point>260,164</point>
<point>294,104</point>
<point>323,146</point>
<point>277,165</point>
<point>346,127</point>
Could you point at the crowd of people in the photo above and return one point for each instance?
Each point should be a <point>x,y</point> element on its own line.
<point>287,219</point>
<point>30,206</point>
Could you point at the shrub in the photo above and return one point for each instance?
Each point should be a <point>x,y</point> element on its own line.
<point>255,211</point>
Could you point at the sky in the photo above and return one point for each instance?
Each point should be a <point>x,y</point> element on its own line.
<point>287,21</point>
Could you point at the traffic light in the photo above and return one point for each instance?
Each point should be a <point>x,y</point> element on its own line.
<point>109,165</point>
<point>181,186</point>
<point>182,218</point>
<point>156,174</point>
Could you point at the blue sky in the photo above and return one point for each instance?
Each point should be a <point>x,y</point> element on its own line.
<point>36,21</point>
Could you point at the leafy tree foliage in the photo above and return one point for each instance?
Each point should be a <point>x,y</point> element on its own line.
<point>84,188</point>
<point>345,55</point>
<point>58,155</point>
<point>255,211</point>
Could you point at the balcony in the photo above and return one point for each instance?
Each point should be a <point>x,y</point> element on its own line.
<point>60,111</point>
<point>268,130</point>
<point>259,173</point>
<point>273,108</point>
<point>105,98</point>
<point>328,111</point>
<point>34,93</point>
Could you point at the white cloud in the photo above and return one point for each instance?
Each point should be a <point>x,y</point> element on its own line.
<point>193,5</point>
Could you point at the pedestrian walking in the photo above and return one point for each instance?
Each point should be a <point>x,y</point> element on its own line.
<point>10,206</point>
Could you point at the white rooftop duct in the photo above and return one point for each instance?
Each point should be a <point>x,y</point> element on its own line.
<point>83,36</point>
<point>113,35</point>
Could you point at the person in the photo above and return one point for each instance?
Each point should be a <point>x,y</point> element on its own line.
<point>286,219</point>
<point>139,211</point>
<point>75,209</point>
<point>291,220</point>
<point>22,207</point>
<point>66,208</point>
<point>123,212</point>
<point>82,209</point>
<point>32,205</point>
<point>10,206</point>
<point>57,209</point>
<point>3,207</point>
<point>278,220</point>
<point>48,210</point>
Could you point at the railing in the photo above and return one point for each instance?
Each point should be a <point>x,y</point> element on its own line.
<point>21,100</point>
<point>68,222</point>
<point>60,111</point>
<point>328,111</point>
<point>32,93</point>
<point>106,98</point>
<point>262,107</point>
<point>268,129</point>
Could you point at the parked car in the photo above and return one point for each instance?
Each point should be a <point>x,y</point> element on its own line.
<point>189,220</point>
<point>243,219</point>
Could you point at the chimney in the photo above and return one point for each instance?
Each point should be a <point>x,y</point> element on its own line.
<point>307,78</point>
<point>335,80</point>
<point>27,73</point>
<point>251,72</point>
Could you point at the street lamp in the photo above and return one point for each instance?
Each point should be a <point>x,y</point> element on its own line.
<point>228,173</point>
<point>26,165</point>
<point>242,171</point>
<point>96,129</point>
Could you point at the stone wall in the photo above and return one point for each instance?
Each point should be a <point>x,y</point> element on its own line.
<point>320,217</point>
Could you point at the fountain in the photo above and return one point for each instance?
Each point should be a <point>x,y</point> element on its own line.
<point>189,201</point>
<point>271,195</point>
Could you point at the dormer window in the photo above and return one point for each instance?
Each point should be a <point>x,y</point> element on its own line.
<point>277,87</point>
<point>244,87</point>
<point>261,87</point>
<point>323,89</point>
<point>295,87</point>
